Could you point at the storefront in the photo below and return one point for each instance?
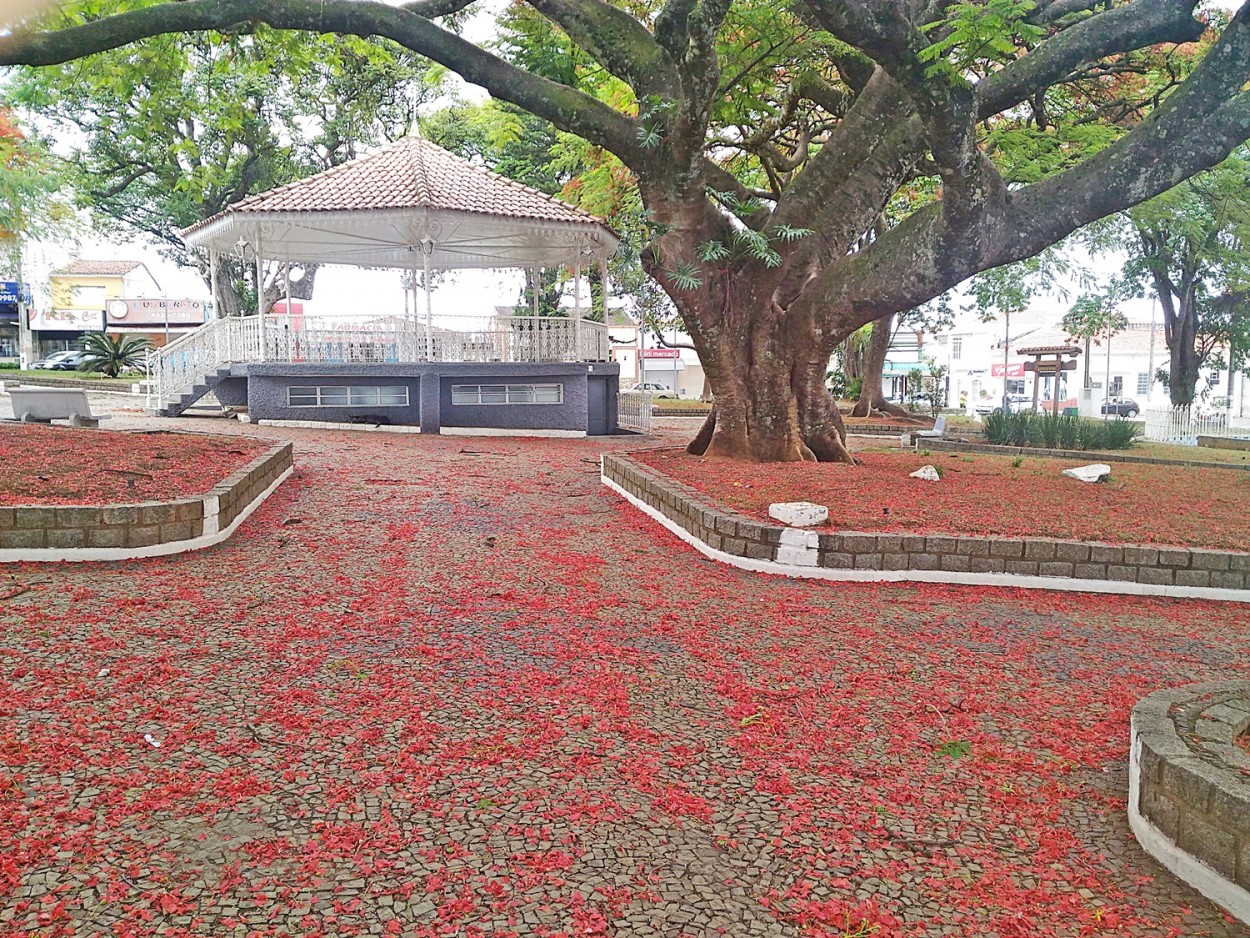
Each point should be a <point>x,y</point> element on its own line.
<point>158,320</point>
<point>10,300</point>
<point>55,330</point>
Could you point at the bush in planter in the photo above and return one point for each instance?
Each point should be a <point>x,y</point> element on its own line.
<point>1119,434</point>
<point>1047,431</point>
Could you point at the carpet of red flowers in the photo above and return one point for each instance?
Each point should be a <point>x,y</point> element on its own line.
<point>988,495</point>
<point>44,465</point>
<point>438,687</point>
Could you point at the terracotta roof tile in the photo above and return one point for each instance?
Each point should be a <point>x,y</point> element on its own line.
<point>85,268</point>
<point>411,173</point>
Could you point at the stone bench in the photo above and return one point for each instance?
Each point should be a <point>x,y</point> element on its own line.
<point>43,405</point>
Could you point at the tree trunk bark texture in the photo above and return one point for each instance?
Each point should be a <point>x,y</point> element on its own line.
<point>771,401</point>
<point>872,387</point>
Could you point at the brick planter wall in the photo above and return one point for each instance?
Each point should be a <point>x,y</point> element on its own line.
<point>1009,561</point>
<point>110,532</point>
<point>1189,796</point>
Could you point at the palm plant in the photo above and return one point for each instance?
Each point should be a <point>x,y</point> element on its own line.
<point>112,354</point>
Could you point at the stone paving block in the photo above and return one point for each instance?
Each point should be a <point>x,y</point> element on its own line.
<point>1022,567</point>
<point>1169,557</point>
<point>867,561</point>
<point>1106,553</point>
<point>1090,571</point>
<point>1039,550</point>
<point>1118,572</point>
<point>1071,552</point>
<point>1141,556</point>
<point>1214,846</point>
<point>940,544</point>
<point>1208,559</point>
<point>1054,568</point>
<point>956,563</point>
<point>974,547</point>
<point>1193,578</point>
<point>1003,547</point>
<point>1157,576</point>
<point>924,561</point>
<point>988,565</point>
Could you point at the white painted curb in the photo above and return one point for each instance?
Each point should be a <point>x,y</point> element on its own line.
<point>801,556</point>
<point>1183,865</point>
<point>504,431</point>
<point>332,425</point>
<point>207,539</point>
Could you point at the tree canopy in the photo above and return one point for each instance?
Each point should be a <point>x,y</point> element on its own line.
<point>180,127</point>
<point>809,169</point>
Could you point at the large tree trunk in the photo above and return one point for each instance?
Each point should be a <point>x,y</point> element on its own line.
<point>771,401</point>
<point>1180,327</point>
<point>872,390</point>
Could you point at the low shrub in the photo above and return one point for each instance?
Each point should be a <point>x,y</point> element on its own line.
<point>8,366</point>
<point>1048,431</point>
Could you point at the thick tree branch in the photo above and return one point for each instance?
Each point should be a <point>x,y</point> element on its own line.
<point>616,41</point>
<point>567,108</point>
<point>927,256</point>
<point>1119,29</point>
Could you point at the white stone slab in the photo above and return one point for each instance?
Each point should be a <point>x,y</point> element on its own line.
<point>1097,472</point>
<point>927,473</point>
<point>799,514</point>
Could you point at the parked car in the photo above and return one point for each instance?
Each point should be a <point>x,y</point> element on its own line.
<point>655,390</point>
<point>57,361</point>
<point>1016,404</point>
<point>1121,407</point>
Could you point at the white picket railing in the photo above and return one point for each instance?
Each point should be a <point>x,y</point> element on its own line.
<point>350,340</point>
<point>1185,424</point>
<point>634,409</point>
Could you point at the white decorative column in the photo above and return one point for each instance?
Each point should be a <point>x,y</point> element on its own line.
<point>260,299</point>
<point>577,310</point>
<point>427,249</point>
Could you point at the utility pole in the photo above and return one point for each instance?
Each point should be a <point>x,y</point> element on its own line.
<point>1006,359</point>
<point>25,345</point>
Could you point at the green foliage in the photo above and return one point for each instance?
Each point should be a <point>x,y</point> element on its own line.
<point>112,354</point>
<point>180,126</point>
<point>1093,318</point>
<point>954,749</point>
<point>1050,431</point>
<point>974,36</point>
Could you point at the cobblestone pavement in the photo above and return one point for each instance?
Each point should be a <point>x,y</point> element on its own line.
<point>452,686</point>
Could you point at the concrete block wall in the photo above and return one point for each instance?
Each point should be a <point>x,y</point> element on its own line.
<point>70,532</point>
<point>1189,794</point>
<point>1183,571</point>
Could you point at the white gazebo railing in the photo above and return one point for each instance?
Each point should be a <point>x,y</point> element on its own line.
<point>1185,424</point>
<point>220,343</point>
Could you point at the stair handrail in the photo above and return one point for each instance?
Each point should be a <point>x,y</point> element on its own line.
<point>190,357</point>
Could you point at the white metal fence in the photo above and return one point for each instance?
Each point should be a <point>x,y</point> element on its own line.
<point>1184,425</point>
<point>389,340</point>
<point>634,411</point>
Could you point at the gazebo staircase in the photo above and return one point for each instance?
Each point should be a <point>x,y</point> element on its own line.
<point>185,370</point>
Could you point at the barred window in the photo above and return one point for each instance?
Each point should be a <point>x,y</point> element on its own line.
<point>357,396</point>
<point>507,394</point>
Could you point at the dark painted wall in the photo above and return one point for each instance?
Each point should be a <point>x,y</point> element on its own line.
<point>232,392</point>
<point>266,394</point>
<point>267,384</point>
<point>570,415</point>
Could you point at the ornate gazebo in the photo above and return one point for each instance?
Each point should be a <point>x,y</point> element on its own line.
<point>412,206</point>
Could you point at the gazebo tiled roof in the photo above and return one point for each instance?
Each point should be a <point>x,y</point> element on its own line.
<point>410,173</point>
<point>409,204</point>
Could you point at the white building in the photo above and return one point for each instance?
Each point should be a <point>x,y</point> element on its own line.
<point>643,360</point>
<point>984,364</point>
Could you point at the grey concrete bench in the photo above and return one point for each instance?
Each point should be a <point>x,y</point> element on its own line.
<point>938,431</point>
<point>43,405</point>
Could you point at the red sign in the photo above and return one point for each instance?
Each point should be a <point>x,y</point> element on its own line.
<point>661,353</point>
<point>1012,371</point>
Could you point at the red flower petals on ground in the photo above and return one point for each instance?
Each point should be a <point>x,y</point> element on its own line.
<point>494,700</point>
<point>43,465</point>
<point>988,495</point>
